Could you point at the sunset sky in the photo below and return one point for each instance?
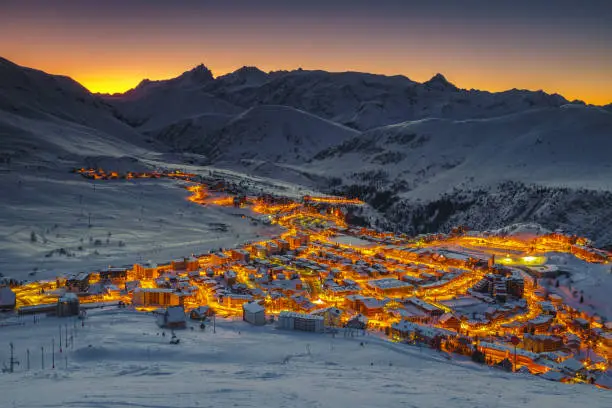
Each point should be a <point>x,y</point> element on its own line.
<point>109,46</point>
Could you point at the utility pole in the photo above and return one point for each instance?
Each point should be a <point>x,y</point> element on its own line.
<point>53,353</point>
<point>12,361</point>
<point>28,358</point>
<point>214,323</point>
<point>60,333</point>
<point>66,334</point>
<point>42,357</point>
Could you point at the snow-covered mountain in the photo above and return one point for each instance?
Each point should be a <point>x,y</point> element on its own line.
<point>272,133</point>
<point>359,100</point>
<point>366,101</point>
<point>154,105</point>
<point>567,146</point>
<point>426,155</point>
<point>44,117</point>
<point>545,165</point>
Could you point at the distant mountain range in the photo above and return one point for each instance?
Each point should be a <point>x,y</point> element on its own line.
<point>358,100</point>
<point>425,155</point>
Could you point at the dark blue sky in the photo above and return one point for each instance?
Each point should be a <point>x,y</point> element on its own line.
<point>562,45</point>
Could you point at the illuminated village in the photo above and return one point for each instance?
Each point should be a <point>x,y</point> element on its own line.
<point>489,297</point>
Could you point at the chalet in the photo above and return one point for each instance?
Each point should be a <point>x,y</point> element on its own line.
<point>367,306</point>
<point>240,255</point>
<point>200,313</point>
<point>283,245</point>
<point>114,275</point>
<point>450,321</point>
<point>78,283</point>
<point>146,271</point>
<point>515,286</point>
<point>155,297</point>
<point>544,271</point>
<point>219,258</point>
<point>572,341</point>
<point>405,330</point>
<point>539,324</point>
<point>112,290</point>
<point>539,343</point>
<point>300,321</point>
<point>428,308</point>
<point>254,313</point>
<point>331,315</point>
<point>260,251</point>
<point>179,264</point>
<point>234,300</point>
<point>572,366</point>
<point>173,318</point>
<point>358,322</point>
<point>8,299</point>
<point>414,280</point>
<point>390,286</point>
<point>68,305</point>
<point>514,327</point>
<point>580,324</point>
<point>555,376</point>
<point>303,304</point>
<point>229,277</point>
<point>273,248</point>
<point>497,352</point>
<point>192,264</point>
<point>548,308</point>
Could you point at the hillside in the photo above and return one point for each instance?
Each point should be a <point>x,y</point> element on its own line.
<point>272,133</point>
<point>45,117</point>
<point>365,101</point>
<point>154,105</point>
<point>359,100</point>
<point>247,366</point>
<point>548,165</point>
<point>556,146</point>
<point>428,155</point>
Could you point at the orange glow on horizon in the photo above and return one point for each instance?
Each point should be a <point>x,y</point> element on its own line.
<point>99,78</point>
<point>99,82</point>
<point>110,55</point>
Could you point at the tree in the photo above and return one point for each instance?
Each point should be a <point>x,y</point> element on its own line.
<point>581,298</point>
<point>478,357</point>
<point>33,237</point>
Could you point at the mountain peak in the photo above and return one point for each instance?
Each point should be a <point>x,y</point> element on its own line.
<point>198,74</point>
<point>246,75</point>
<point>439,82</point>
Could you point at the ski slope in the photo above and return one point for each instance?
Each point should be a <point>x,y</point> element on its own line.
<point>120,359</point>
<point>54,223</point>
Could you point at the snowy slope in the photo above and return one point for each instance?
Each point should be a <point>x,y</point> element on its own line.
<point>156,104</point>
<point>359,100</point>
<point>54,222</point>
<point>184,134</point>
<point>51,120</point>
<point>120,359</point>
<point>37,95</point>
<point>273,133</point>
<point>365,101</point>
<point>565,146</point>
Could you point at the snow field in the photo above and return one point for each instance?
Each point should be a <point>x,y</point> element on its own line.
<point>120,359</point>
